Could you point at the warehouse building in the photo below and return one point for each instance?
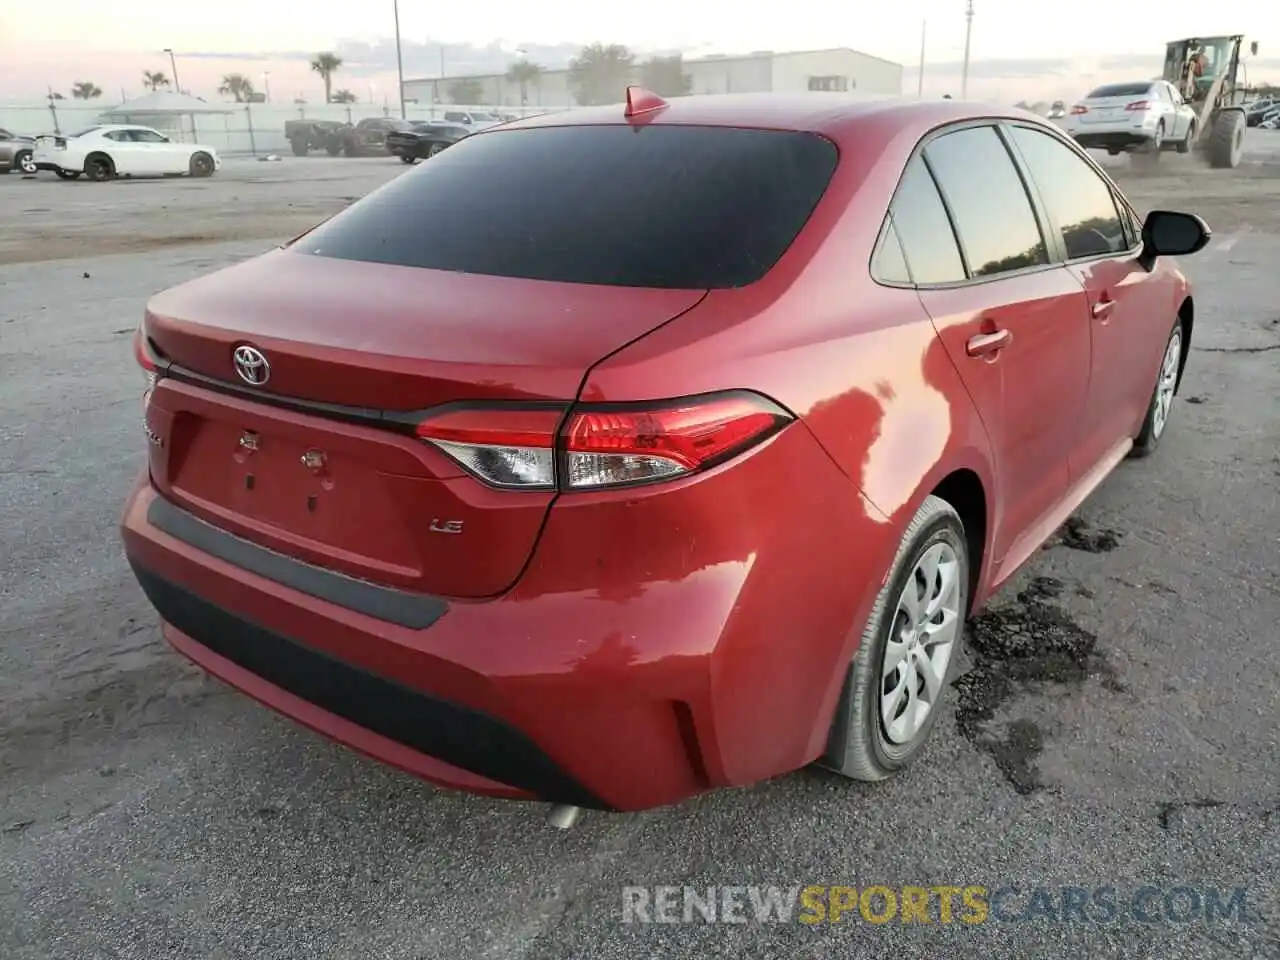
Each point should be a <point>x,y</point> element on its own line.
<point>764,71</point>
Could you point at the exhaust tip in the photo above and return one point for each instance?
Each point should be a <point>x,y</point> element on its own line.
<point>563,816</point>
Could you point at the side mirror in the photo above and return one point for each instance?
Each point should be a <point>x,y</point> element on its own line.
<point>1166,233</point>
<point>1253,48</point>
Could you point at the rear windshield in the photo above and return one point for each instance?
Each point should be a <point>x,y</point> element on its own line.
<point>1122,89</point>
<point>82,133</point>
<point>677,207</point>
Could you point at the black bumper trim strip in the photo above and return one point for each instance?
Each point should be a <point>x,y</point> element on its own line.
<point>416,611</point>
<point>458,735</point>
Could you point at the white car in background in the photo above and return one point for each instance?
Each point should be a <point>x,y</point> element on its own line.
<point>1148,116</point>
<point>122,150</point>
<point>473,120</point>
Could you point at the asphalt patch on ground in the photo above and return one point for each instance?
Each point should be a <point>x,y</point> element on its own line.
<point>1019,648</point>
<point>1076,534</point>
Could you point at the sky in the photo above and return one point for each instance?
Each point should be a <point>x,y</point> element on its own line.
<point>1019,49</point>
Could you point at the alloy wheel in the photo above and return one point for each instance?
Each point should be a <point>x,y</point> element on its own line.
<point>1166,385</point>
<point>922,639</point>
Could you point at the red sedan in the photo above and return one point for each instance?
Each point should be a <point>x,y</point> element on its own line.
<point>618,455</point>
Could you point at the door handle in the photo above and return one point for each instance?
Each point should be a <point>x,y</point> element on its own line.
<point>985,344</point>
<point>1103,309</point>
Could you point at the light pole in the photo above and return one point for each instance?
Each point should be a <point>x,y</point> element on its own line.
<point>173,64</point>
<point>924,26</point>
<point>395,6</point>
<point>968,31</point>
<point>266,86</point>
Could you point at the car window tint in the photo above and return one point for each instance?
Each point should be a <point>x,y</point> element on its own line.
<point>119,136</point>
<point>146,136</point>
<point>668,206</point>
<point>989,204</point>
<point>923,229</point>
<point>1078,200</point>
<point>890,264</point>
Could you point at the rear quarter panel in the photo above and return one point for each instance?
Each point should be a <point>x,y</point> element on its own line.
<point>861,364</point>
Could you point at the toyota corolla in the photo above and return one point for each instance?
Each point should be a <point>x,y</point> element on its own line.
<point>622,454</point>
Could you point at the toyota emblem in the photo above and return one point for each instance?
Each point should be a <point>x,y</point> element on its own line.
<point>251,365</point>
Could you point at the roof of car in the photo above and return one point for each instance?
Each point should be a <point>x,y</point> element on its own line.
<point>813,112</point>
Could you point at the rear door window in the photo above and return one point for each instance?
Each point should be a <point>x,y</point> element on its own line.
<point>666,206</point>
<point>989,205</point>
<point>1079,202</point>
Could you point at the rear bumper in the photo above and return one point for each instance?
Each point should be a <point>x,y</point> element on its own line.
<point>620,675</point>
<point>1121,139</point>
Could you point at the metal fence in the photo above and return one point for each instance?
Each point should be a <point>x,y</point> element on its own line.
<point>249,129</point>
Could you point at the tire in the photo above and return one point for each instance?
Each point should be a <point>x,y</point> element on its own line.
<point>1160,406</point>
<point>1226,140</point>
<point>435,148</point>
<point>201,165</point>
<point>98,167</point>
<point>334,149</point>
<point>67,174</point>
<point>408,158</point>
<point>1113,151</point>
<point>1184,145</point>
<point>24,162</point>
<point>1156,143</point>
<point>300,148</point>
<point>861,745</point>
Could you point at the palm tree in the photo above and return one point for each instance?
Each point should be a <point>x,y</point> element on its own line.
<point>154,80</point>
<point>524,73</point>
<point>326,64</point>
<point>344,96</point>
<point>600,73</point>
<point>84,90</point>
<point>237,85</point>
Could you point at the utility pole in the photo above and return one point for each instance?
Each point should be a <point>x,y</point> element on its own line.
<point>968,32</point>
<point>173,63</point>
<point>395,6</point>
<point>924,26</point>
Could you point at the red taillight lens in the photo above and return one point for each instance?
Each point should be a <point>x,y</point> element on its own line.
<point>1137,105</point>
<point>609,446</point>
<point>1079,109</point>
<point>142,355</point>
<point>602,445</point>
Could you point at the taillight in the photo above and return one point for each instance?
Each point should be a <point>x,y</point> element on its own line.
<point>602,445</point>
<point>1137,105</point>
<point>503,446</point>
<point>1079,109</point>
<point>142,354</point>
<point>606,447</point>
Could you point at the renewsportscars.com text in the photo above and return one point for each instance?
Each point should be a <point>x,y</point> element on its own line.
<point>935,904</point>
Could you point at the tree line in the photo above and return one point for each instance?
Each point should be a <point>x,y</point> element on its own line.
<point>597,75</point>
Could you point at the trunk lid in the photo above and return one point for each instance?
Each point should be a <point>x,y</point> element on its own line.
<point>306,465</point>
<point>1110,109</point>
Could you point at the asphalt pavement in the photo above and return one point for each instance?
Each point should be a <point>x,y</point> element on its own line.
<point>1117,725</point>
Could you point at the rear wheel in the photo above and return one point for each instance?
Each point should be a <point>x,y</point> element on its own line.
<point>1161,404</point>
<point>67,174</point>
<point>334,149</point>
<point>300,148</point>
<point>1184,145</point>
<point>901,674</point>
<point>434,149</point>
<point>408,158</point>
<point>98,167</point>
<point>1156,143</point>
